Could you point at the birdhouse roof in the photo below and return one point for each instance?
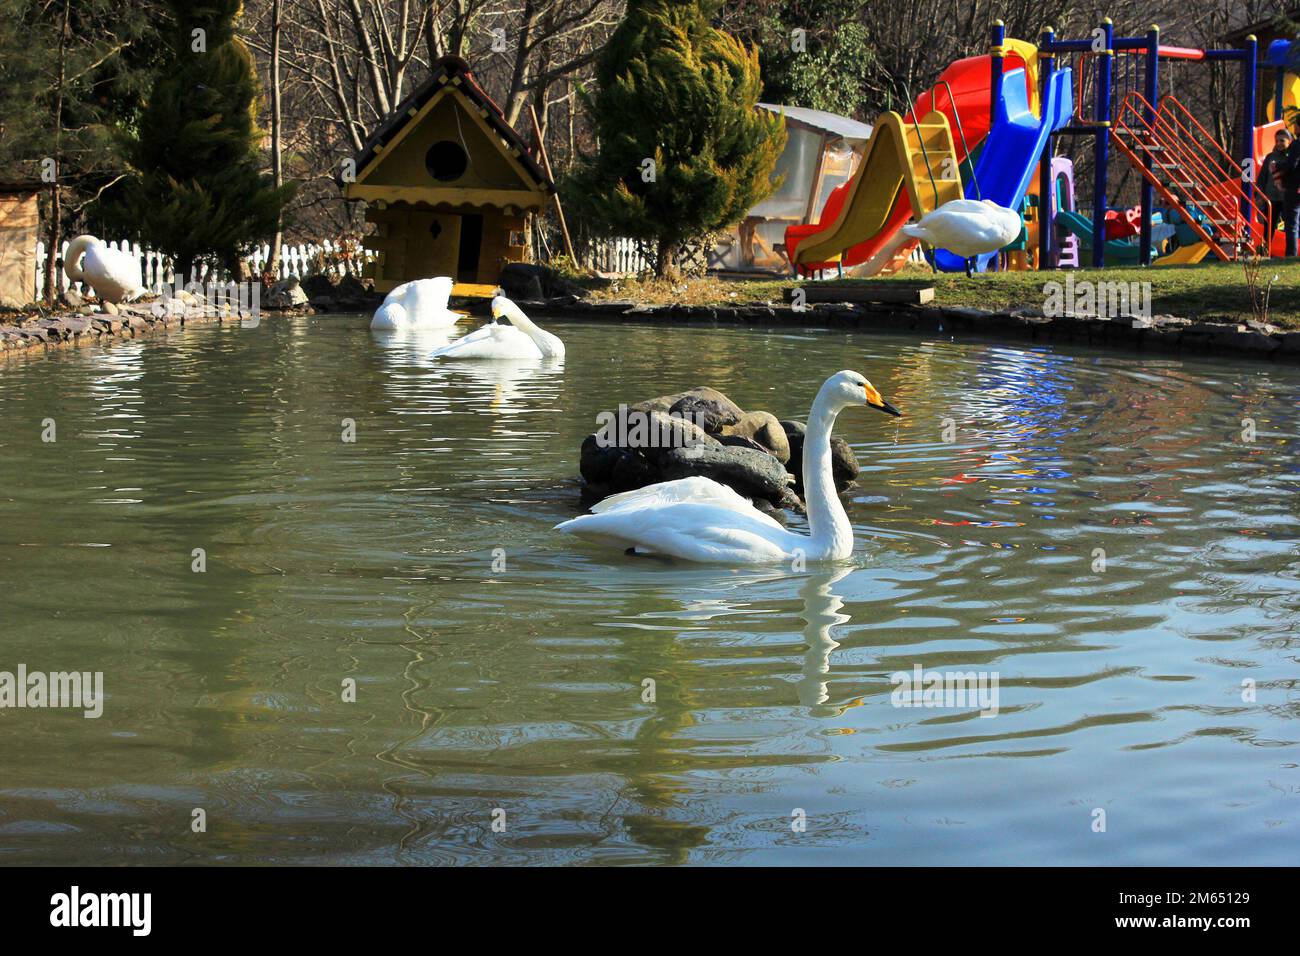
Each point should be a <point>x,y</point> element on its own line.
<point>454,71</point>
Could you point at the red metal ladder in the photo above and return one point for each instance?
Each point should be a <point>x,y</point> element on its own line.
<point>1191,171</point>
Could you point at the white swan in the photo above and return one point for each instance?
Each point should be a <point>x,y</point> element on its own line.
<point>114,275</point>
<point>967,227</point>
<point>418,304</point>
<point>698,519</point>
<point>521,339</point>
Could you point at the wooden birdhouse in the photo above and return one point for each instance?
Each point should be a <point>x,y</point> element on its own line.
<point>449,185</point>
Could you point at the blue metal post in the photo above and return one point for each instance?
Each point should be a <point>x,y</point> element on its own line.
<point>1046,185</point>
<point>997,52</point>
<point>1101,154</point>
<point>1151,92</point>
<point>1249,64</point>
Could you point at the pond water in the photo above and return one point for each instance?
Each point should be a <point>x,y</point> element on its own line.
<point>500,668</point>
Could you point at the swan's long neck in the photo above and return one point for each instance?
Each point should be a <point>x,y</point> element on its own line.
<point>832,534</point>
<point>546,342</point>
<point>72,260</point>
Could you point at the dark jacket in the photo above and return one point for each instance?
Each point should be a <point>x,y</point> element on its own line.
<point>1270,175</point>
<point>1288,171</point>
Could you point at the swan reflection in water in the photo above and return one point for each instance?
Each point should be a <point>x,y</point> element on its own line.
<point>495,386</point>
<point>820,613</point>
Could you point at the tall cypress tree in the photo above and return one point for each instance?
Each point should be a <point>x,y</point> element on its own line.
<point>196,191</point>
<point>72,74</point>
<point>675,90</point>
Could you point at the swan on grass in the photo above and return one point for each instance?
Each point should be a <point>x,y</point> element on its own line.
<point>967,227</point>
<point>521,339</point>
<point>114,275</point>
<point>418,304</point>
<point>699,519</point>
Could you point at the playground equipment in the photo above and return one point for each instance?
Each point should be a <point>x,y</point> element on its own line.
<point>1006,107</point>
<point>963,95</point>
<point>1177,158</point>
<point>1015,142</point>
<point>1284,57</point>
<point>919,159</point>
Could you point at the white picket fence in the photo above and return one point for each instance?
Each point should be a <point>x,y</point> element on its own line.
<point>157,272</point>
<point>618,256</point>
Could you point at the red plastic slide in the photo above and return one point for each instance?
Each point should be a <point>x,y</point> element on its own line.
<point>969,80</point>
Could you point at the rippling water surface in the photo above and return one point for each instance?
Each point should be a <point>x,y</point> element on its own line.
<point>516,692</point>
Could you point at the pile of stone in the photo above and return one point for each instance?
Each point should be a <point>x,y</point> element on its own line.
<point>103,322</point>
<point>348,294</point>
<point>703,432</point>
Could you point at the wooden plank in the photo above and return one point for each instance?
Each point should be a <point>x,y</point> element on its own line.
<point>496,198</point>
<point>915,293</point>
<point>546,167</point>
<point>473,290</point>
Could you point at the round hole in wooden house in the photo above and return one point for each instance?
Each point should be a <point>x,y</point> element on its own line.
<point>446,161</point>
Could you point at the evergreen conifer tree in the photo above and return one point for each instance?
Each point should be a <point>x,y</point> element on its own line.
<point>196,191</point>
<point>682,151</point>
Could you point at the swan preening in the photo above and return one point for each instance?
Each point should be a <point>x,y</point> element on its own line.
<point>114,275</point>
<point>419,304</point>
<point>967,227</point>
<point>521,339</point>
<point>699,519</point>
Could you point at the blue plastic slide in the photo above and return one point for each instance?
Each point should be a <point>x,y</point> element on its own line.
<point>1011,152</point>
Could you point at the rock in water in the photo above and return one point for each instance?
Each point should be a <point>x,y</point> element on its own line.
<point>666,432</point>
<point>764,428</point>
<point>844,464</point>
<point>597,461</point>
<point>794,432</point>
<point>754,474</point>
<point>711,412</point>
<point>633,470</point>
<point>740,441</point>
<point>709,403</point>
<point>286,294</point>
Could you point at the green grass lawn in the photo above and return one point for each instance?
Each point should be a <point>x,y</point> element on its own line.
<point>1208,291</point>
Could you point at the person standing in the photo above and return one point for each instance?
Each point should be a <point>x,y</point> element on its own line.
<point>1288,178</point>
<point>1270,177</point>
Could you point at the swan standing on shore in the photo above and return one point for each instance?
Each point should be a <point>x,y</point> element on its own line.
<point>967,227</point>
<point>418,304</point>
<point>114,275</point>
<point>698,519</point>
<point>521,339</point>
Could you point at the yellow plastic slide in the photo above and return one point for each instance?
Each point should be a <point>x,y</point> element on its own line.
<point>918,157</point>
<point>1185,255</point>
<point>1290,98</point>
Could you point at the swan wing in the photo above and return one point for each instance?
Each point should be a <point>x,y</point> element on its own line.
<point>696,490</point>
<point>489,342</point>
<point>398,293</point>
<point>691,530</point>
<point>428,297</point>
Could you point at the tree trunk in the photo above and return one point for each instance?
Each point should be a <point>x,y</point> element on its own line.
<point>517,95</point>
<point>277,161</point>
<point>665,254</point>
<point>54,234</point>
